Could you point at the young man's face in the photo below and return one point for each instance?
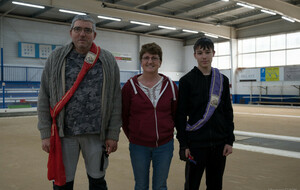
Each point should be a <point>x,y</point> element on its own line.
<point>204,57</point>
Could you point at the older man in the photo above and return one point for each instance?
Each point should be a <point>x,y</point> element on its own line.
<point>79,107</point>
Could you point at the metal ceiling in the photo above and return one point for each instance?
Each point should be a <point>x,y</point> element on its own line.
<point>217,17</point>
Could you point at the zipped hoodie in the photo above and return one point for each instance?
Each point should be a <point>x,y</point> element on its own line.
<point>143,123</point>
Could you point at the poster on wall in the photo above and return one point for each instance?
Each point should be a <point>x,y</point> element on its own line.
<point>27,50</point>
<point>122,57</point>
<point>44,51</point>
<point>248,75</point>
<point>269,74</point>
<point>292,73</point>
<point>34,50</point>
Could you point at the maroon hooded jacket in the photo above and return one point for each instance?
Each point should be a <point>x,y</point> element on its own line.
<point>143,123</point>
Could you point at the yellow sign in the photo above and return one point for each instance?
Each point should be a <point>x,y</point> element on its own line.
<point>272,74</point>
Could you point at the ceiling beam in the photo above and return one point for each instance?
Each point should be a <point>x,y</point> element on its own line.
<point>278,6</point>
<point>94,7</point>
<point>40,12</point>
<point>3,2</point>
<point>153,4</point>
<point>196,6</point>
<point>130,26</point>
<point>104,22</point>
<point>258,22</point>
<point>216,12</point>
<point>236,18</point>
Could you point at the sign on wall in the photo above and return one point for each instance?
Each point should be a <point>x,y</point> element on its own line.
<point>122,57</point>
<point>247,75</point>
<point>292,73</point>
<point>34,50</point>
<point>269,74</point>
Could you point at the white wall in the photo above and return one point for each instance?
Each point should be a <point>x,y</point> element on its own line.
<point>189,60</point>
<point>177,58</point>
<point>120,43</point>
<point>172,60</point>
<point>17,30</point>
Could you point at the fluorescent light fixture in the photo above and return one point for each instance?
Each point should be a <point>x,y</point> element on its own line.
<point>109,18</point>
<point>288,19</point>
<point>28,5</point>
<point>211,35</point>
<point>244,5</point>
<point>268,12</point>
<point>190,31</point>
<point>225,0</point>
<point>71,12</point>
<point>140,23</point>
<point>166,27</point>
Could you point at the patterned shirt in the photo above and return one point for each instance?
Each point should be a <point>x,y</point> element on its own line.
<point>152,93</point>
<point>83,111</point>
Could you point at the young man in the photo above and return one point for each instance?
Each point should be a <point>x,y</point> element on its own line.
<point>204,120</point>
<point>83,81</point>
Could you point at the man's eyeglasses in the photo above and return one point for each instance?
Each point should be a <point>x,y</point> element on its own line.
<point>78,29</point>
<point>154,59</point>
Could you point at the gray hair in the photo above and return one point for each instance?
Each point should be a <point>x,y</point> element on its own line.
<point>84,18</point>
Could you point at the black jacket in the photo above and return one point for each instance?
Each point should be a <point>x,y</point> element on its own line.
<point>192,101</point>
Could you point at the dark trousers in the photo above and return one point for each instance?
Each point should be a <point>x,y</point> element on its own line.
<point>94,184</point>
<point>212,161</point>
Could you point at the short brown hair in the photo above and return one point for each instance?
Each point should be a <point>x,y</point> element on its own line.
<point>151,48</point>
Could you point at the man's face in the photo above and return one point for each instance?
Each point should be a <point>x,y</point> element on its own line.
<point>82,35</point>
<point>204,57</point>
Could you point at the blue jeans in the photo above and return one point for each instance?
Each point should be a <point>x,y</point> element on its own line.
<point>141,157</point>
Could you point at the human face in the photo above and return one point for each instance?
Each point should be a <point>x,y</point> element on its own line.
<point>150,63</point>
<point>81,38</point>
<point>204,57</point>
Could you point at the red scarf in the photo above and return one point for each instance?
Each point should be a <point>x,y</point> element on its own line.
<point>56,169</point>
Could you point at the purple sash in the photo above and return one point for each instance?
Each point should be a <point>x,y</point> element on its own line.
<point>215,92</point>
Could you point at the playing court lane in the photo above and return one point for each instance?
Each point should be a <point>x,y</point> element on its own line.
<point>267,119</point>
<point>22,158</point>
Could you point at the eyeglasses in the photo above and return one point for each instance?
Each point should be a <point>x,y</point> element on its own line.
<point>154,59</point>
<point>78,29</point>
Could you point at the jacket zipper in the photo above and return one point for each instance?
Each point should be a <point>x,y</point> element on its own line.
<point>155,114</point>
<point>156,127</point>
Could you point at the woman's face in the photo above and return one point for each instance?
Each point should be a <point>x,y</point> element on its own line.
<point>150,63</point>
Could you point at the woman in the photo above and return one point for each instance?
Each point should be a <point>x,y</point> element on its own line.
<point>149,103</point>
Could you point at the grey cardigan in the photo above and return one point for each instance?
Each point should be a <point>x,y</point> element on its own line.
<point>53,88</point>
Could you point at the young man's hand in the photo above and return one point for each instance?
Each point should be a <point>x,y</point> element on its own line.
<point>227,150</point>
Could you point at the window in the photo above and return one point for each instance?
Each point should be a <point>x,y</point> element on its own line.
<point>249,45</point>
<point>263,44</point>
<point>293,40</point>
<point>293,57</point>
<point>224,62</point>
<point>222,57</point>
<point>248,60</point>
<point>277,58</point>
<point>263,59</point>
<point>268,51</point>
<point>224,48</point>
<point>278,42</point>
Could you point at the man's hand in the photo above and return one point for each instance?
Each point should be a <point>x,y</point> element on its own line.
<point>111,146</point>
<point>227,150</point>
<point>46,145</point>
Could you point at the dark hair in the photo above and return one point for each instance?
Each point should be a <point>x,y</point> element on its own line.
<point>151,48</point>
<point>204,43</point>
<point>84,18</point>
